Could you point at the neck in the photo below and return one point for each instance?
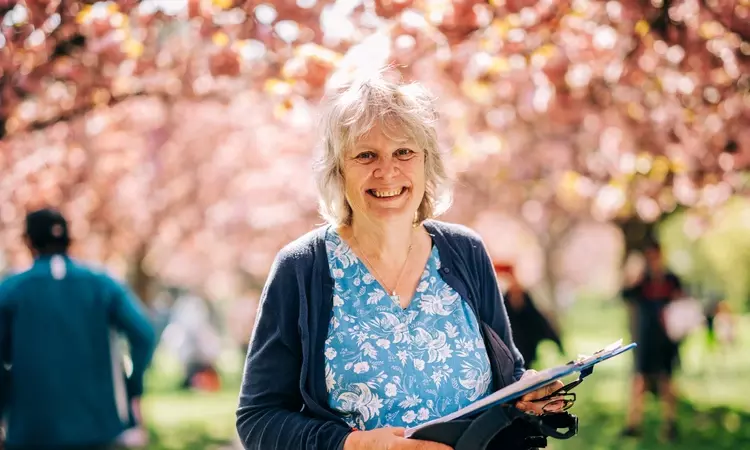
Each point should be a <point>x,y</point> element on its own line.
<point>656,272</point>
<point>48,253</point>
<point>385,242</point>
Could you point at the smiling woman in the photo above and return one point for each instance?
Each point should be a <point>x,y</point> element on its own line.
<point>377,121</point>
<point>385,177</point>
<point>385,318</point>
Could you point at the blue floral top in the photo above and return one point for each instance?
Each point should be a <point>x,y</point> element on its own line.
<point>390,366</point>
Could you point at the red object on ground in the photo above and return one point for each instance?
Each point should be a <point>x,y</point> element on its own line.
<point>207,380</point>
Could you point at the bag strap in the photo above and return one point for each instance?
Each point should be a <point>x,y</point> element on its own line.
<point>550,425</point>
<point>485,427</point>
<point>492,422</point>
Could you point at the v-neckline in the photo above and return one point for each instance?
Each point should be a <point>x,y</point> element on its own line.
<point>424,273</point>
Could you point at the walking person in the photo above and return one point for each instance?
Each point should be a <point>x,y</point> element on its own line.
<point>656,355</point>
<point>63,386</point>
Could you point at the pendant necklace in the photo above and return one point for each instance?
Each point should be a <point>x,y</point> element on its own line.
<point>395,297</point>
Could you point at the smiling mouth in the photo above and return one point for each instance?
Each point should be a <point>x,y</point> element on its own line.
<point>390,193</point>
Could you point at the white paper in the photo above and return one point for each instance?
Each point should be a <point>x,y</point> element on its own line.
<point>506,392</point>
<point>510,392</point>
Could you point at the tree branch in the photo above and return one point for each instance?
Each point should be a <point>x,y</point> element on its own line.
<point>84,109</point>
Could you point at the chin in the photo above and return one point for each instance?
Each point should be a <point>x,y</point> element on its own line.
<point>392,216</point>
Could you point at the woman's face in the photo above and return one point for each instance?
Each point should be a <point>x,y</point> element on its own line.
<point>384,179</point>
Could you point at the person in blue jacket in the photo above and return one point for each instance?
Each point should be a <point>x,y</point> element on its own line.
<point>63,385</point>
<point>384,318</point>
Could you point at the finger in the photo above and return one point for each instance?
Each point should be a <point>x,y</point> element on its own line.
<point>425,445</point>
<point>397,431</point>
<point>552,387</point>
<point>530,407</point>
<point>555,405</point>
<point>526,407</point>
<point>543,391</point>
<point>531,396</point>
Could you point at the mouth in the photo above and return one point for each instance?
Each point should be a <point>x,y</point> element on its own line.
<point>387,193</point>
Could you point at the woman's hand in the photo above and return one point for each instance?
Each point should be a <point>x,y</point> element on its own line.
<point>388,439</point>
<point>527,402</point>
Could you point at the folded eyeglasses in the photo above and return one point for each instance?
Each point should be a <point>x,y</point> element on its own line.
<point>562,399</point>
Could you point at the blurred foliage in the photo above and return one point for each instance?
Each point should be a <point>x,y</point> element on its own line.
<point>169,130</point>
<point>711,251</point>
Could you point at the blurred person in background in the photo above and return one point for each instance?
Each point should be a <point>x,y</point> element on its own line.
<point>193,336</point>
<point>63,384</point>
<point>367,325</point>
<point>656,355</point>
<point>530,327</point>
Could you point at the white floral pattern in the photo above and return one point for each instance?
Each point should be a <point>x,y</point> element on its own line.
<point>392,366</point>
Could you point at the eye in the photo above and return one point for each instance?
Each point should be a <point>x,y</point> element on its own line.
<point>404,154</point>
<point>365,156</point>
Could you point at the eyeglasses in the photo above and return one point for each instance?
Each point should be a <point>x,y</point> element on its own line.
<point>560,400</point>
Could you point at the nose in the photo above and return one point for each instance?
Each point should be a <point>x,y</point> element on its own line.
<point>386,168</point>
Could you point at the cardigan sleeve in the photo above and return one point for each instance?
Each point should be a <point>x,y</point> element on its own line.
<point>492,306</point>
<point>269,414</point>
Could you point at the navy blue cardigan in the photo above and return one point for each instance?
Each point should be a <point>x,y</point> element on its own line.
<point>283,399</point>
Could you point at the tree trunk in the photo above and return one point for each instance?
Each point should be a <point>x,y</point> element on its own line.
<point>141,282</point>
<point>552,240</point>
<point>639,234</point>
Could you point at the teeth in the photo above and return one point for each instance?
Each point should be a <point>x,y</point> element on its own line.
<point>382,194</point>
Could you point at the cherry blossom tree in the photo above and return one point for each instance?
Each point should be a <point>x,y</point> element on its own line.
<point>170,128</point>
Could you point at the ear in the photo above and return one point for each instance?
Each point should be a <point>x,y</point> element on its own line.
<point>28,244</point>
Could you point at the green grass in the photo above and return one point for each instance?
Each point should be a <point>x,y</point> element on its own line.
<point>191,420</point>
<point>714,412</point>
<point>187,420</point>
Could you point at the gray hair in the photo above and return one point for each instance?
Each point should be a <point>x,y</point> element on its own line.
<point>401,110</point>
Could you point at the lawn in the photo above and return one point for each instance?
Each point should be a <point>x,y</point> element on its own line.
<point>714,412</point>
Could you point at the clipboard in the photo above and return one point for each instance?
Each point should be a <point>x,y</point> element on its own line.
<point>583,365</point>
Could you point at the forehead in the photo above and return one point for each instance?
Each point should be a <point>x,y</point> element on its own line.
<point>379,136</point>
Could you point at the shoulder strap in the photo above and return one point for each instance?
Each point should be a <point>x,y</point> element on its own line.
<point>485,427</point>
<point>518,429</point>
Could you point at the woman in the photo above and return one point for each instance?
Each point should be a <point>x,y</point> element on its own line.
<point>383,319</point>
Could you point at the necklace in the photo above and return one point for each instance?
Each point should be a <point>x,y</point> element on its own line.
<point>395,297</point>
